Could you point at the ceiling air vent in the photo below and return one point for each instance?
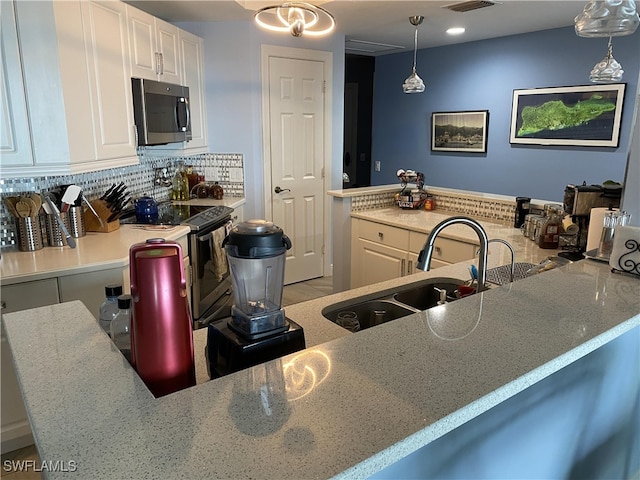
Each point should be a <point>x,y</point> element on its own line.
<point>470,5</point>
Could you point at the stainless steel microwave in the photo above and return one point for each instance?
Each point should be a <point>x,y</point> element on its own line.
<point>161,112</point>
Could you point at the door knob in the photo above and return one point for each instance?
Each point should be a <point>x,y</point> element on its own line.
<point>280,190</point>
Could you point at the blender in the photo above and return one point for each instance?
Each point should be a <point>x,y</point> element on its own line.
<point>258,329</point>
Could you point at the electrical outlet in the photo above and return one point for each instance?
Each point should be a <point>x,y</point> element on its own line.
<point>211,174</point>
<point>235,174</point>
<point>377,165</point>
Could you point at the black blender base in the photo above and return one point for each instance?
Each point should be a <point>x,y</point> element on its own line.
<point>227,351</point>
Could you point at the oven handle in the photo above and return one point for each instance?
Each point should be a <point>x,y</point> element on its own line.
<point>206,237</point>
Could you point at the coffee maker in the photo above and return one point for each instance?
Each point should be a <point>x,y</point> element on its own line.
<point>578,202</point>
<point>258,329</point>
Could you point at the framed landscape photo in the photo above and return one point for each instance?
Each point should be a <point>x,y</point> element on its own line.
<point>459,131</point>
<point>587,116</point>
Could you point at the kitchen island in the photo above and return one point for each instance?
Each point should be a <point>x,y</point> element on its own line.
<point>379,402</point>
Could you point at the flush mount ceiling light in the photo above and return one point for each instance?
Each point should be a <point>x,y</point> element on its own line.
<point>296,18</point>
<point>455,30</point>
<point>607,18</point>
<point>413,83</point>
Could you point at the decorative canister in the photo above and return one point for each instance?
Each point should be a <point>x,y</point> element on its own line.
<point>29,233</point>
<point>75,222</point>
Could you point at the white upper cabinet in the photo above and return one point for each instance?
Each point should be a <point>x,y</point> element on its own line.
<point>192,75</point>
<point>66,83</point>
<point>15,142</point>
<point>107,51</point>
<point>154,47</point>
<point>76,87</point>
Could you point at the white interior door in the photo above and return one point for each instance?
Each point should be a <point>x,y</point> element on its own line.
<point>297,155</point>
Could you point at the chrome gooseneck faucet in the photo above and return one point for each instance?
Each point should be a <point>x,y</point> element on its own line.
<point>424,259</point>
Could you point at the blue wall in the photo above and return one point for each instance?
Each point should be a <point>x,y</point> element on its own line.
<point>482,76</point>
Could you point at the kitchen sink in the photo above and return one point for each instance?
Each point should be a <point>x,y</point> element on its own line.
<point>372,312</point>
<point>426,296</point>
<point>409,299</point>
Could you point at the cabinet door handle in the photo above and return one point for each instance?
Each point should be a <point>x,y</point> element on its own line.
<point>438,250</point>
<point>157,63</point>
<point>402,265</point>
<point>161,64</point>
<point>381,236</point>
<point>410,267</point>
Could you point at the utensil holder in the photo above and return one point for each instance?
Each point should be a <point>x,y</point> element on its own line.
<point>29,234</point>
<point>75,222</point>
<point>55,236</point>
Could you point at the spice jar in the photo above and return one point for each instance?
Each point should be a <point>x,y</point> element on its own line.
<point>430,203</point>
<point>217,192</point>
<point>549,235</point>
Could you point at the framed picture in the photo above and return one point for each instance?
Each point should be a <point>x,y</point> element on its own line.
<point>587,116</point>
<point>459,131</point>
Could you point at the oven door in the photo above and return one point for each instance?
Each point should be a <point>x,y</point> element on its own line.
<point>211,280</point>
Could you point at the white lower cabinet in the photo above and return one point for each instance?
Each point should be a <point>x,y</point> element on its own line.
<point>378,252</point>
<point>16,432</point>
<point>89,287</point>
<point>381,252</point>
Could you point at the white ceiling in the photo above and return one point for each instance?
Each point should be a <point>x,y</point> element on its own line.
<point>387,22</point>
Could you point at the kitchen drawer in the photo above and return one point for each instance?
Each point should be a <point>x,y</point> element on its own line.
<point>89,287</point>
<point>26,295</point>
<point>446,249</point>
<point>384,234</point>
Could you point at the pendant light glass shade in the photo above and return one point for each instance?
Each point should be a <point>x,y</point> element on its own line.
<point>413,83</point>
<point>608,70</point>
<point>607,18</point>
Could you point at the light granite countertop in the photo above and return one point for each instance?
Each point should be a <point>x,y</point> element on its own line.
<point>346,407</point>
<point>95,251</point>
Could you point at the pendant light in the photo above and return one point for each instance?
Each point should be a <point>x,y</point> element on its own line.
<point>413,83</point>
<point>608,70</point>
<point>607,18</point>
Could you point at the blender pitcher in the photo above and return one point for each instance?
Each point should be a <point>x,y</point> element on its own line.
<point>256,250</point>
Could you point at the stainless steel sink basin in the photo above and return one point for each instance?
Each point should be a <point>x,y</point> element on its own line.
<point>426,296</point>
<point>409,299</point>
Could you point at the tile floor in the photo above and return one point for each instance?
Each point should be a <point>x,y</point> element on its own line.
<point>302,291</point>
<point>294,293</point>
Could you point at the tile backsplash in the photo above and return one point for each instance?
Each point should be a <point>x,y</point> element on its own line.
<point>228,167</point>
<point>497,210</point>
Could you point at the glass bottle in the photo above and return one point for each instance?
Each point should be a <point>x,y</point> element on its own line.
<point>109,308</point>
<point>180,183</point>
<point>549,235</point>
<point>121,326</point>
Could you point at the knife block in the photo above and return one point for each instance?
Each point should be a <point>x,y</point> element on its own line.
<point>92,224</point>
